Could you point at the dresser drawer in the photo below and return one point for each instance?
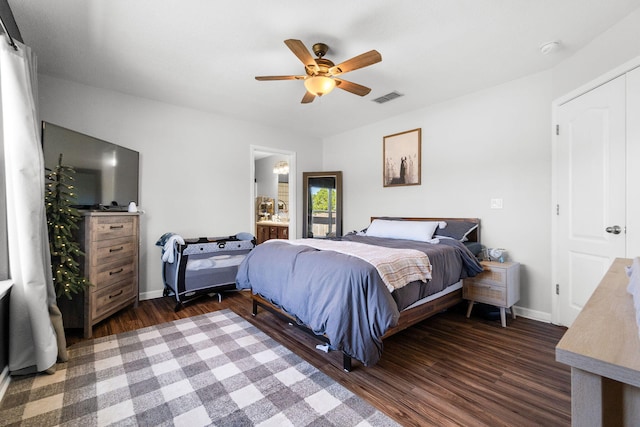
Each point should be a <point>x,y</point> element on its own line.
<point>485,292</point>
<point>116,271</point>
<point>112,227</point>
<point>493,276</point>
<point>106,251</point>
<point>111,298</point>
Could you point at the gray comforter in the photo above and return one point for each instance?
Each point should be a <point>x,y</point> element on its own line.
<point>338,295</point>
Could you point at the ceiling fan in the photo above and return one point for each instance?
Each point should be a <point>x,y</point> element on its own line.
<point>321,73</point>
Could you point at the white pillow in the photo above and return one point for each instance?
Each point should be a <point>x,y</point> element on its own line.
<point>421,231</point>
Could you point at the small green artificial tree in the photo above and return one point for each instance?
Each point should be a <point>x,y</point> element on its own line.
<point>62,221</point>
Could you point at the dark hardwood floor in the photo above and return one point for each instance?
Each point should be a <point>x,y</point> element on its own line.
<point>447,370</point>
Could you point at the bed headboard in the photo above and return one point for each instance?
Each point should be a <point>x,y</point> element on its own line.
<point>474,236</point>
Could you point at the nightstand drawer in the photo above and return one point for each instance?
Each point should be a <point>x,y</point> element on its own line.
<point>494,277</point>
<point>487,293</point>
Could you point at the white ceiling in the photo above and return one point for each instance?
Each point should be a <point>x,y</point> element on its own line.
<point>205,54</point>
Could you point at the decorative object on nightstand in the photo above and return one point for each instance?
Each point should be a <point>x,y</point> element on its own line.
<point>497,254</point>
<point>498,285</point>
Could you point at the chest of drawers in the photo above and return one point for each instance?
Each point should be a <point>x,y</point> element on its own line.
<point>110,243</point>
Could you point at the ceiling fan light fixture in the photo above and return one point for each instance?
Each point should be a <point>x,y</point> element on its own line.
<point>319,85</point>
<point>322,75</point>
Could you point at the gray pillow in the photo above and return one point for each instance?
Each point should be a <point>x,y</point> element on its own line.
<point>458,230</point>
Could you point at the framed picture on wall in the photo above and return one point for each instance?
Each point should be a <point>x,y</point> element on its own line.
<point>401,158</point>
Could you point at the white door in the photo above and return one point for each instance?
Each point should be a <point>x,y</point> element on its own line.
<point>591,193</point>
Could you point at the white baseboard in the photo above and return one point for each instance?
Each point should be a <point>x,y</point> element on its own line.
<point>540,316</point>
<point>151,295</point>
<point>5,379</point>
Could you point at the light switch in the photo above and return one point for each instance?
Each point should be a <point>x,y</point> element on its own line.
<point>496,203</point>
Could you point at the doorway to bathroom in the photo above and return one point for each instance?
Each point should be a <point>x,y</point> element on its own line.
<point>273,193</point>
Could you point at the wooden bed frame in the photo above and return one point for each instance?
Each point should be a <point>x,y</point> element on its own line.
<point>408,317</point>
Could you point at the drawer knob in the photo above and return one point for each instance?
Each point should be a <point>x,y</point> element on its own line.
<point>111,273</point>
<point>113,227</point>
<point>116,249</point>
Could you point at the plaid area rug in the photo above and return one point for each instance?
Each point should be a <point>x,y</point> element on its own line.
<point>212,369</point>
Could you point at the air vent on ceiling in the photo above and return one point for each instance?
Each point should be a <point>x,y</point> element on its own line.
<point>388,97</point>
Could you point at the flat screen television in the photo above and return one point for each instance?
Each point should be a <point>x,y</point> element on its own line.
<point>106,174</point>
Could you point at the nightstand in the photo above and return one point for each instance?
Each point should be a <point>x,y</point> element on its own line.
<point>498,285</point>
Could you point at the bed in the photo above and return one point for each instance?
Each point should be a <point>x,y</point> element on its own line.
<point>346,291</point>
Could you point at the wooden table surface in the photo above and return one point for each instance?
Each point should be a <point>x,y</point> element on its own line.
<point>604,338</point>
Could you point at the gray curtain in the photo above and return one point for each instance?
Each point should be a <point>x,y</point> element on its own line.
<point>35,333</point>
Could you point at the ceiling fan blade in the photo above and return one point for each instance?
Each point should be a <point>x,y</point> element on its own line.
<point>360,61</point>
<point>307,98</point>
<point>354,88</point>
<point>263,78</point>
<point>303,54</point>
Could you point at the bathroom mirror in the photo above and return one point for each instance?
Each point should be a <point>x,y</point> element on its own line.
<point>322,194</point>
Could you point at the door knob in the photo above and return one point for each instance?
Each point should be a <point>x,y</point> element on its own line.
<point>613,230</point>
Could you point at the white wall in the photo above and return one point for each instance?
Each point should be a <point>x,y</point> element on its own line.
<point>491,144</point>
<point>194,167</point>
<point>611,49</point>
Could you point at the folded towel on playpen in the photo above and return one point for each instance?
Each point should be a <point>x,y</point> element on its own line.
<point>168,242</point>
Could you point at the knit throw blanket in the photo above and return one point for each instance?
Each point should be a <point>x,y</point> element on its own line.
<point>397,267</point>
